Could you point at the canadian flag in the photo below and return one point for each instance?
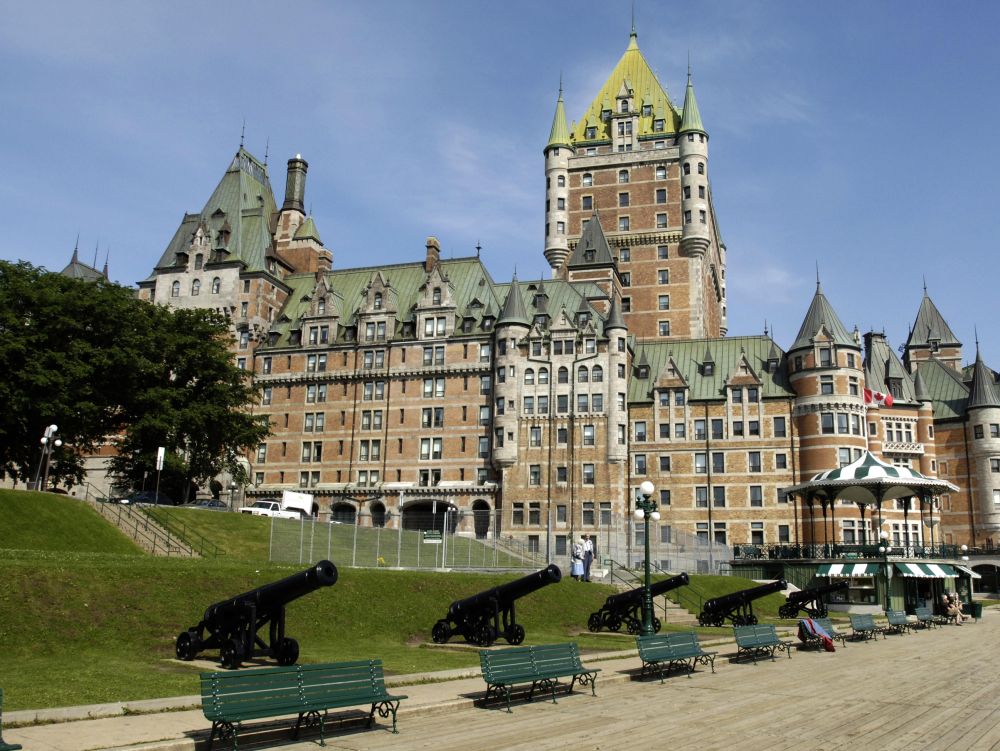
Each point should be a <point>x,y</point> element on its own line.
<point>877,398</point>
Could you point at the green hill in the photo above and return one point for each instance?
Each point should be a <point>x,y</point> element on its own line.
<point>46,521</point>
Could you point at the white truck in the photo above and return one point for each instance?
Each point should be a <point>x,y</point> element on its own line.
<point>292,505</point>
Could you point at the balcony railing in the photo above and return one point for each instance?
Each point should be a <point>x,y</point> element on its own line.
<point>792,551</point>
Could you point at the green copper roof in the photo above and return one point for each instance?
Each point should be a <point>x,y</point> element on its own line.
<point>983,392</point>
<point>307,231</point>
<point>821,314</point>
<point>513,307</point>
<point>243,204</point>
<point>726,354</point>
<point>930,325</point>
<point>559,135</point>
<point>881,364</point>
<point>633,70</point>
<point>944,387</point>
<point>920,389</point>
<point>76,269</point>
<point>593,248</point>
<point>691,119</point>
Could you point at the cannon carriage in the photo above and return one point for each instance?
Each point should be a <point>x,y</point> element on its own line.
<point>626,607</point>
<point>231,625</point>
<point>489,615</point>
<point>736,607</point>
<point>810,600</point>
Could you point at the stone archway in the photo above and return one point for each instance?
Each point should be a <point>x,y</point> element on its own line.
<point>426,515</point>
<point>377,509</point>
<point>343,513</point>
<point>481,516</point>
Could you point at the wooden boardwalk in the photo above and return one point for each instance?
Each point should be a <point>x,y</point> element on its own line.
<point>937,689</point>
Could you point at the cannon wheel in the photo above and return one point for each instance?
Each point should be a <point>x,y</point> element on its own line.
<point>752,620</point>
<point>632,626</point>
<point>595,622</point>
<point>719,620</point>
<point>287,652</point>
<point>484,635</point>
<point>614,623</point>
<point>515,635</point>
<point>657,625</point>
<point>187,645</point>
<point>230,654</point>
<point>786,611</point>
<point>441,632</point>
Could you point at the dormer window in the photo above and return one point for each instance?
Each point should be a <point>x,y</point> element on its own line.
<point>935,345</point>
<point>642,371</point>
<point>591,132</point>
<point>199,261</point>
<point>647,110</point>
<point>658,125</point>
<point>377,301</point>
<point>589,255</point>
<point>825,358</point>
<point>623,105</point>
<point>708,368</point>
<point>605,114</point>
<point>321,306</point>
<point>216,285</point>
<point>436,296</point>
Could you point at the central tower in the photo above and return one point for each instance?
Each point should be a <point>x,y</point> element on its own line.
<point>639,165</point>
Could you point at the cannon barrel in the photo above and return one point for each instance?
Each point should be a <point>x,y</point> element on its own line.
<point>743,597</point>
<point>276,594</point>
<point>806,595</point>
<point>504,594</point>
<point>632,596</point>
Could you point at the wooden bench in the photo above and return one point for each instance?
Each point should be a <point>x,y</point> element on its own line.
<point>899,622</point>
<point>541,666</point>
<point>927,619</point>
<point>5,746</point>
<point>228,699</point>
<point>663,652</point>
<point>864,627</point>
<point>813,640</point>
<point>759,640</point>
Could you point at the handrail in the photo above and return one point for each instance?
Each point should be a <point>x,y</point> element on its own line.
<point>137,525</point>
<point>786,551</point>
<point>201,545</point>
<point>635,580</point>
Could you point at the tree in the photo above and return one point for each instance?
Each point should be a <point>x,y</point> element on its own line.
<point>106,367</point>
<point>197,406</point>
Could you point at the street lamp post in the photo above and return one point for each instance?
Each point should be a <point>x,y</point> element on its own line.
<point>884,549</point>
<point>645,509</point>
<point>232,492</point>
<point>49,443</point>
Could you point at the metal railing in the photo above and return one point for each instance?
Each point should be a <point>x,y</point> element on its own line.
<point>792,551</point>
<point>138,526</point>
<point>183,531</point>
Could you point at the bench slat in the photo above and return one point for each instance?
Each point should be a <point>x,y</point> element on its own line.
<point>539,666</point>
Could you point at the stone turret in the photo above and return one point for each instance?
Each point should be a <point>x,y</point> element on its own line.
<point>983,410</point>
<point>511,327</point>
<point>557,154</point>
<point>693,148</point>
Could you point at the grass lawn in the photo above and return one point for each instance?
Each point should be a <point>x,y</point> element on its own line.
<point>47,521</point>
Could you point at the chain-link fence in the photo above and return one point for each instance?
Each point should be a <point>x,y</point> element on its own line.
<point>450,540</point>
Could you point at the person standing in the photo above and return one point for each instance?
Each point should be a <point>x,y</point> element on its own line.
<point>577,561</point>
<point>588,556</point>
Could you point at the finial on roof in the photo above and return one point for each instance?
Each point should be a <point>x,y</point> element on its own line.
<point>560,84</point>
<point>243,132</point>
<point>975,330</point>
<point>925,285</point>
<point>633,19</point>
<point>817,276</point>
<point>76,249</point>
<point>479,247</point>
<point>267,146</point>
<point>765,327</point>
<point>689,65</point>
<point>97,245</point>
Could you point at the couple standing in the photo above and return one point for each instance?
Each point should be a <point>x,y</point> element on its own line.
<point>583,557</point>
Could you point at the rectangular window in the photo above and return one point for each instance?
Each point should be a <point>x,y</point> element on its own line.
<point>640,464</point>
<point>756,496</point>
<point>779,427</point>
<point>753,461</point>
<point>718,462</point>
<point>640,431</point>
<point>661,220</point>
<point>535,436</point>
<point>716,429</point>
<point>535,475</point>
<point>562,475</point>
<point>737,395</point>
<point>826,384</point>
<point>661,195</point>
<point>588,478</point>
<point>719,496</point>
<point>781,461</point>
<point>738,428</point>
<point>663,302</point>
<point>623,200</point>
<point>701,496</point>
<point>699,430</point>
<point>679,430</point>
<point>588,435</point>
<point>701,463</point>
<point>826,422</point>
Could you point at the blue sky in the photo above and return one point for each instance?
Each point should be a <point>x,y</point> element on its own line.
<point>859,136</point>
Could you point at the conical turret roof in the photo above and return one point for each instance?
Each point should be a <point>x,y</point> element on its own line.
<point>920,389</point>
<point>983,392</point>
<point>930,324</point>
<point>691,118</point>
<point>514,310</point>
<point>821,314</point>
<point>614,320</point>
<point>559,135</point>
<point>307,231</point>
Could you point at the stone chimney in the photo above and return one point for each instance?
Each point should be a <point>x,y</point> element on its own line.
<point>295,185</point>
<point>433,254</point>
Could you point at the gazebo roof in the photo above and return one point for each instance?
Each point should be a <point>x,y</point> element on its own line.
<point>869,480</point>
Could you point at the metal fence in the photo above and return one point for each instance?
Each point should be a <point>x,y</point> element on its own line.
<point>444,541</point>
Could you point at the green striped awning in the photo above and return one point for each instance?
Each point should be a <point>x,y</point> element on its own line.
<point>849,569</point>
<point>926,570</point>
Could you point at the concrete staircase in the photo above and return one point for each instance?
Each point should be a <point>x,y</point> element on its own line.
<point>138,526</point>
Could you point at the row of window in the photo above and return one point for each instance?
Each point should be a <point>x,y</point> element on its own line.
<point>624,176</point>
<point>738,429</point>
<point>978,432</point>
<point>662,277</point>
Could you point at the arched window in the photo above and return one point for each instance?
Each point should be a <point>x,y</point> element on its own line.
<point>701,168</point>
<point>529,376</point>
<point>623,176</point>
<point>687,168</point>
<point>561,181</point>
<point>175,289</point>
<point>563,376</point>
<point>588,179</point>
<point>321,306</point>
<point>377,301</point>
<point>582,374</point>
<point>543,375</point>
<point>597,374</point>
<point>216,285</point>
<point>195,287</point>
<point>623,105</point>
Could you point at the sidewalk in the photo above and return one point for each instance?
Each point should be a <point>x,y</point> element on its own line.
<point>934,690</point>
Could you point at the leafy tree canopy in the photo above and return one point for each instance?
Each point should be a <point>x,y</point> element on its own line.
<point>106,367</point>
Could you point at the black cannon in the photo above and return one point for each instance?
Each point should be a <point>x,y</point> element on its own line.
<point>810,600</point>
<point>485,617</point>
<point>626,607</point>
<point>738,606</point>
<point>232,624</point>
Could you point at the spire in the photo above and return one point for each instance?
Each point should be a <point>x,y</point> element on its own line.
<point>930,325</point>
<point>76,250</point>
<point>920,388</point>
<point>982,393</point>
<point>691,119</point>
<point>821,314</point>
<point>559,135</point>
<point>615,320</point>
<point>593,248</point>
<point>514,310</point>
